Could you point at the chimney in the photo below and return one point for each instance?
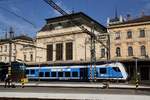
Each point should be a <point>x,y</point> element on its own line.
<point>121,18</point>
<point>108,21</point>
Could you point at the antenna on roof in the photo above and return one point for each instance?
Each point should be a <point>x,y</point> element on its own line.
<point>128,17</point>
<point>116,12</point>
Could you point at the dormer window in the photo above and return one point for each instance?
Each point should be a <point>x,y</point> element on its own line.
<point>58,26</point>
<point>51,26</point>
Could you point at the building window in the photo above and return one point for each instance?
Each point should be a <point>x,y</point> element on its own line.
<point>59,26</point>
<point>49,52</point>
<point>31,57</point>
<point>130,51</point>
<point>142,33</point>
<point>1,48</point>
<point>102,52</point>
<point>69,51</point>
<point>25,57</point>
<point>129,34</point>
<point>5,59</point>
<point>51,27</point>
<point>5,48</point>
<point>117,35</point>
<point>118,52</point>
<point>143,51</point>
<point>1,58</point>
<point>59,51</point>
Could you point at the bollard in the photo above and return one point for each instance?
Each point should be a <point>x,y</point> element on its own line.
<point>137,84</point>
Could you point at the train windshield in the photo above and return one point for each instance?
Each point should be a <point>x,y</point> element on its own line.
<point>116,69</point>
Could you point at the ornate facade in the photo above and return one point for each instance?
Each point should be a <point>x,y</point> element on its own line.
<point>130,40</point>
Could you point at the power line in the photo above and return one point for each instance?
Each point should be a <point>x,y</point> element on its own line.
<point>8,1</point>
<point>24,19</point>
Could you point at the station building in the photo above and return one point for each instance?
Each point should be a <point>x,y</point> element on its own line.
<point>62,41</point>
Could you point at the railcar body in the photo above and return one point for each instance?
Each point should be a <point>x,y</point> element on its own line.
<point>17,70</point>
<point>115,71</point>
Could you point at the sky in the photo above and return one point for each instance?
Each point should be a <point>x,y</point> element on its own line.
<point>31,14</point>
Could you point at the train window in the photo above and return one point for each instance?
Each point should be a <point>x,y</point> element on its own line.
<point>116,69</point>
<point>102,70</point>
<point>60,74</point>
<point>74,74</point>
<point>47,74</point>
<point>41,74</point>
<point>27,71</point>
<point>67,74</point>
<point>32,71</point>
<point>53,74</point>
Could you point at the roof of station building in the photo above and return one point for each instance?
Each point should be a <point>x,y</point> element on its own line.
<point>73,16</point>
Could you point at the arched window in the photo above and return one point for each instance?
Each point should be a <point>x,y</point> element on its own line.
<point>130,51</point>
<point>117,35</point>
<point>142,33</point>
<point>143,50</point>
<point>118,52</point>
<point>129,34</point>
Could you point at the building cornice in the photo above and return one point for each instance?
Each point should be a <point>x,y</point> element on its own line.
<point>128,25</point>
<point>60,34</point>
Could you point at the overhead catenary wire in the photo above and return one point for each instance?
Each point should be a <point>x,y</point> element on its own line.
<point>24,19</point>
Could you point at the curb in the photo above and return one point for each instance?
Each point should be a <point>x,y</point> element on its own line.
<point>81,86</point>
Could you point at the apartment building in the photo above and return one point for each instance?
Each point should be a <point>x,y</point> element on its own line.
<point>18,45</point>
<point>130,40</point>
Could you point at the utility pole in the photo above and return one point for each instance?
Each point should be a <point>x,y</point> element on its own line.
<point>10,49</point>
<point>108,47</point>
<point>93,56</point>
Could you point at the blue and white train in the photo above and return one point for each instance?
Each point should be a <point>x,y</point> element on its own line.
<point>112,71</point>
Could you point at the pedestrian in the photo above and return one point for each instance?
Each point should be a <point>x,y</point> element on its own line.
<point>7,81</point>
<point>22,82</point>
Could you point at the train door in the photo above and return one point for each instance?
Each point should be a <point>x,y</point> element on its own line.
<point>83,74</point>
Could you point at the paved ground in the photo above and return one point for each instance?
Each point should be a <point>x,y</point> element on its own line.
<point>75,90</point>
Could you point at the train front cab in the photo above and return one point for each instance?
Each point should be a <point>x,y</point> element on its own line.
<point>104,73</point>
